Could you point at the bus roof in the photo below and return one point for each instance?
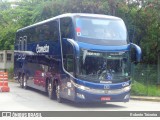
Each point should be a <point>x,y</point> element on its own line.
<point>70,15</point>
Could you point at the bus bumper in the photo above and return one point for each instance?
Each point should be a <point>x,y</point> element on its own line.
<point>84,96</point>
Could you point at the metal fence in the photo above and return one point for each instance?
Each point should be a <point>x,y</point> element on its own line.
<point>145,80</point>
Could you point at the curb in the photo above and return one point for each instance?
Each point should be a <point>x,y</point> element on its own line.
<point>13,81</point>
<point>153,99</point>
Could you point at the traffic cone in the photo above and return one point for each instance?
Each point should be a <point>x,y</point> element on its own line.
<point>4,82</point>
<point>5,89</point>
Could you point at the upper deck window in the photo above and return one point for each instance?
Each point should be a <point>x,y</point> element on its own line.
<point>101,31</point>
<point>67,28</point>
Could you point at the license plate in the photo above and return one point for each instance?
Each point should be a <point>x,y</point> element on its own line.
<point>105,98</point>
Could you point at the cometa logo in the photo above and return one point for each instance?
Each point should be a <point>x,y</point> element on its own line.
<point>42,49</point>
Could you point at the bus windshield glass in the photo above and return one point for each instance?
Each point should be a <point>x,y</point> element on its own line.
<point>101,31</point>
<point>99,67</point>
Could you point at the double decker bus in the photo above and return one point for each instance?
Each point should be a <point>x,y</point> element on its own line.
<point>76,56</point>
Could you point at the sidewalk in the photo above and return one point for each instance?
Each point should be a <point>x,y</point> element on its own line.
<point>146,98</point>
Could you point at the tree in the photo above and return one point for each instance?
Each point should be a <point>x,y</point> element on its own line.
<point>141,17</point>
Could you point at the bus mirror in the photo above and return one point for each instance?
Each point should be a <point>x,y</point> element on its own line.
<point>138,52</point>
<point>74,44</point>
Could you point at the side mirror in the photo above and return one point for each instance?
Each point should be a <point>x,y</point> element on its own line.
<point>75,45</point>
<point>69,50</point>
<point>138,52</point>
<point>77,51</point>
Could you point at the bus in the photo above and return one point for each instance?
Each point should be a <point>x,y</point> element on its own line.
<point>76,56</point>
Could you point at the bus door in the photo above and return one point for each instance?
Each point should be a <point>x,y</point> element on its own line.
<point>69,70</point>
<point>68,62</point>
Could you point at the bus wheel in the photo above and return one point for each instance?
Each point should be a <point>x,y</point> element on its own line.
<point>59,99</point>
<point>21,81</point>
<point>50,89</point>
<point>24,82</point>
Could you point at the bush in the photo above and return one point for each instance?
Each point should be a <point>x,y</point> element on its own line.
<point>141,89</point>
<point>11,72</point>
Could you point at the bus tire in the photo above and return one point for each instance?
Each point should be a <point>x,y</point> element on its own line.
<point>24,81</point>
<point>59,99</point>
<point>50,89</point>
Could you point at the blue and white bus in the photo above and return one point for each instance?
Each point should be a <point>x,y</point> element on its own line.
<point>76,56</point>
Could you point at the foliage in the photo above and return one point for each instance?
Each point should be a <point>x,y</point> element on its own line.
<point>144,80</point>
<point>142,18</point>
<point>145,73</point>
<point>11,72</point>
<point>144,90</point>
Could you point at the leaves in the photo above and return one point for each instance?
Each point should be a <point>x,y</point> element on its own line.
<point>142,18</point>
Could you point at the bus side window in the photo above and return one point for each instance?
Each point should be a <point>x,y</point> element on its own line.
<point>39,36</point>
<point>68,57</point>
<point>31,34</point>
<point>51,31</point>
<point>54,31</point>
<point>66,28</point>
<point>27,35</point>
<point>44,32</point>
<point>35,34</point>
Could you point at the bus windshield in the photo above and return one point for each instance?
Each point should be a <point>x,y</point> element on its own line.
<point>99,67</point>
<point>101,31</point>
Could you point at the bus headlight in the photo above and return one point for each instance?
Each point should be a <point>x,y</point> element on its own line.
<point>80,86</point>
<point>125,89</point>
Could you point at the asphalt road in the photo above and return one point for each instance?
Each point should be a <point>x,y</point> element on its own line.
<point>19,99</point>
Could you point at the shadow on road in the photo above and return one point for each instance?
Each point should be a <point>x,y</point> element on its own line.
<point>82,105</point>
<point>92,105</point>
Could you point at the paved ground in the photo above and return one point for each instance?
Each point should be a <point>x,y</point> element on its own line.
<point>19,99</point>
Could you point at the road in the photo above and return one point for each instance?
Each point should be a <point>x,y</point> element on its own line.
<point>19,99</point>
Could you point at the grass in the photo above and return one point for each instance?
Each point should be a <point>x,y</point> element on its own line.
<point>141,89</point>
